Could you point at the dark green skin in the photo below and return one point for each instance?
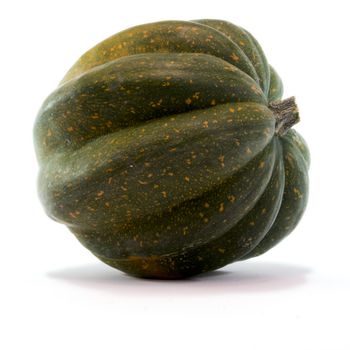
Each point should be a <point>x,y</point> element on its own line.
<point>296,164</point>
<point>159,152</point>
<point>248,45</point>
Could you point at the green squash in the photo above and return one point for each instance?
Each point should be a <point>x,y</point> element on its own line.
<point>167,151</point>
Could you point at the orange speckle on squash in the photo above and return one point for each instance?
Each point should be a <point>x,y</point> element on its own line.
<point>298,193</point>
<point>234,57</point>
<point>231,198</point>
<point>267,132</point>
<point>256,90</point>
<point>195,96</point>
<point>74,214</point>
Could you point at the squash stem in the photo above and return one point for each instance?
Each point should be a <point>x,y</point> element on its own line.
<point>286,113</point>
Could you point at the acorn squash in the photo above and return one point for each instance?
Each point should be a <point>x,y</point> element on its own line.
<point>167,151</point>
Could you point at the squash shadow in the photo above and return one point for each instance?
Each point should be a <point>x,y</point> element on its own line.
<point>242,277</point>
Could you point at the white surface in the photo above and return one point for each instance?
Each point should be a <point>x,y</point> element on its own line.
<point>56,295</point>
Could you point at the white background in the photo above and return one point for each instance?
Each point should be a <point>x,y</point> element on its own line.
<point>56,295</point>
